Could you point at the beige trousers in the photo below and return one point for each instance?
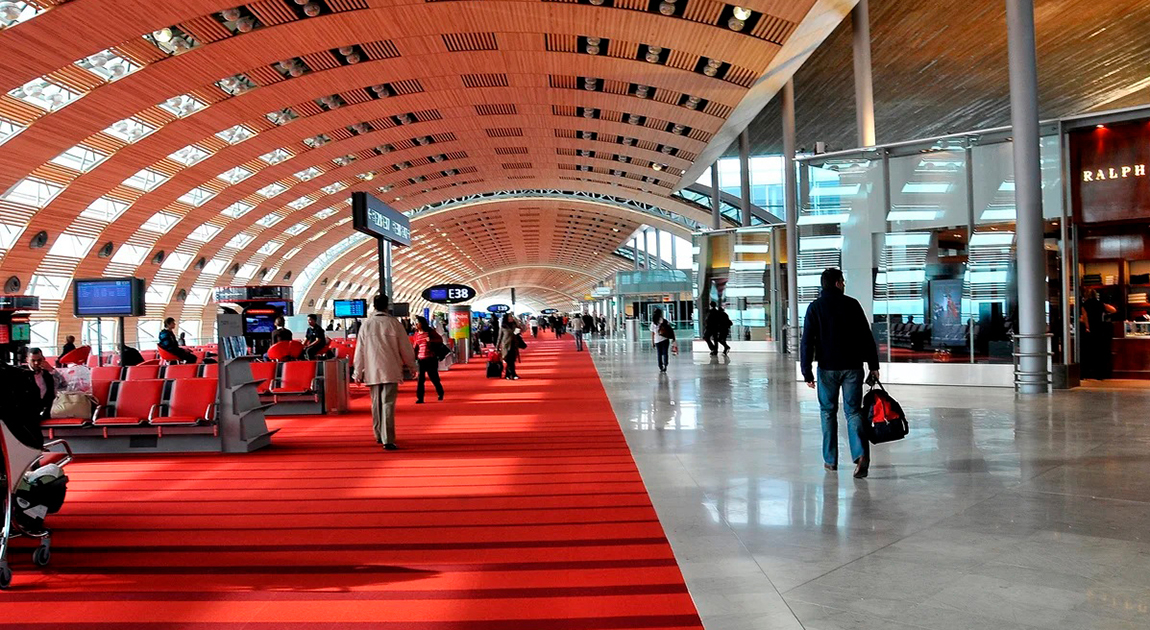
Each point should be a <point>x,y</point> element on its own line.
<point>383,411</point>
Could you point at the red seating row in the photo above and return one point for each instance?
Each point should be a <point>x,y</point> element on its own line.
<point>149,402</point>
<point>147,371</point>
<point>288,380</point>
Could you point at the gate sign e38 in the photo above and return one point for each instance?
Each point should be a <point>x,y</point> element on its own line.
<point>375,218</point>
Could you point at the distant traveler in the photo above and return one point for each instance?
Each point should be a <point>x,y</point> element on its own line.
<point>353,327</point>
<point>662,334</point>
<point>509,346</point>
<point>1096,343</point>
<point>170,345</point>
<point>837,335</point>
<point>45,379</point>
<point>69,345</point>
<point>716,327</point>
<point>425,341</point>
<point>281,332</point>
<point>577,330</point>
<point>383,356</point>
<point>588,324</point>
<point>534,327</point>
<point>315,340</point>
<point>183,340</point>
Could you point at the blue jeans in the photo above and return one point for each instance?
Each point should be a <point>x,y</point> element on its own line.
<point>851,383</point>
<point>579,340</point>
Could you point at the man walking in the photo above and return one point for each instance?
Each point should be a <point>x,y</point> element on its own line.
<point>383,356</point>
<point>836,334</point>
<point>577,330</point>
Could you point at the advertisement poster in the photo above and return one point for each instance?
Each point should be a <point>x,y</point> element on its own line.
<point>946,328</point>
<point>461,323</point>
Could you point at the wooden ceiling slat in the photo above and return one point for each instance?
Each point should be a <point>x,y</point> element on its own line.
<point>355,96</point>
<point>740,76</point>
<point>18,111</point>
<point>271,12</point>
<point>104,143</point>
<point>669,97</point>
<point>322,60</point>
<point>773,29</point>
<point>346,5</point>
<point>410,86</point>
<point>264,75</point>
<point>562,43</point>
<point>206,29</point>
<point>622,49</point>
<point>380,50</point>
<point>616,87</point>
<point>156,117</point>
<point>55,173</point>
<point>140,51</point>
<point>682,60</point>
<point>75,78</point>
<point>703,11</point>
<point>717,109</point>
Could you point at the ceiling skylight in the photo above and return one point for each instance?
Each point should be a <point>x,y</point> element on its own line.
<point>189,155</point>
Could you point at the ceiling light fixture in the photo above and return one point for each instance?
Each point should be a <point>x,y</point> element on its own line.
<point>592,46</point>
<point>735,24</point>
<point>653,53</point>
<point>667,7</point>
<point>741,13</point>
<point>163,35</point>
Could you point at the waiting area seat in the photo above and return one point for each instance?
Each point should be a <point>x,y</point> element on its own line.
<point>143,406</point>
<point>190,402</point>
<point>133,402</point>
<point>297,379</point>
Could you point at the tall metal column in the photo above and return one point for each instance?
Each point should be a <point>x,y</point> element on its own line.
<point>674,262</point>
<point>792,216</point>
<point>716,200</point>
<point>658,251</point>
<point>383,247</point>
<point>646,250</point>
<point>1033,374</point>
<point>745,178</point>
<point>635,250</point>
<point>864,84</point>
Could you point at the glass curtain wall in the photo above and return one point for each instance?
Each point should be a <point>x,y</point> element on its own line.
<point>925,235</point>
<point>738,274</point>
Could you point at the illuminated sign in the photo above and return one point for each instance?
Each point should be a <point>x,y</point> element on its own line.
<point>1114,172</point>
<point>549,311</point>
<point>375,218</point>
<point>448,293</point>
<point>498,308</point>
<point>1110,182</point>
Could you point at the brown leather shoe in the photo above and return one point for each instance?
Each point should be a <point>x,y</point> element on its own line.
<point>862,467</point>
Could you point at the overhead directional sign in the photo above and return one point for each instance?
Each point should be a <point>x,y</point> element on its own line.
<point>498,308</point>
<point>448,293</point>
<point>375,218</point>
<point>549,311</point>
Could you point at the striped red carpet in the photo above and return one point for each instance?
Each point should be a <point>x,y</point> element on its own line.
<point>513,505</point>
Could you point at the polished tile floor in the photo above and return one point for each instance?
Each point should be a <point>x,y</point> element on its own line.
<point>996,513</point>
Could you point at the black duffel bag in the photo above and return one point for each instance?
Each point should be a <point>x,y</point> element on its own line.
<point>885,420</point>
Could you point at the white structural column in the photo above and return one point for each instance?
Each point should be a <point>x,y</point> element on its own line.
<point>658,250</point>
<point>1033,368</point>
<point>864,84</point>
<point>790,199</point>
<point>635,250</point>
<point>745,178</point>
<point>716,198</point>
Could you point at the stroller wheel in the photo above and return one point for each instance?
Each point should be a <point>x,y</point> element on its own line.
<point>5,575</point>
<point>42,556</point>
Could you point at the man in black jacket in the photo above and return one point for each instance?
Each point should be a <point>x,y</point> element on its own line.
<point>837,334</point>
<point>45,380</point>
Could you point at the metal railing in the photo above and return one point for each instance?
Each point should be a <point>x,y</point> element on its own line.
<point>1041,379</point>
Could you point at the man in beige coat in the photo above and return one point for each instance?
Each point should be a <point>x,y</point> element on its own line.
<point>383,356</point>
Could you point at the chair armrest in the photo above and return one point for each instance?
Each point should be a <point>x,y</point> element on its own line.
<point>210,412</point>
<point>96,412</point>
<point>152,411</point>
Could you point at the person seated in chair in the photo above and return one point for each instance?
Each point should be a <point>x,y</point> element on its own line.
<point>316,339</point>
<point>69,345</point>
<point>45,379</point>
<point>169,344</point>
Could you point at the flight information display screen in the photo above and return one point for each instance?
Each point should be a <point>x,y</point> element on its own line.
<point>350,308</point>
<point>109,297</point>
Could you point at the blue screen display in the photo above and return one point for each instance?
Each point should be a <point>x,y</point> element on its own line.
<point>438,294</point>
<point>350,308</point>
<point>99,298</point>
<point>259,324</point>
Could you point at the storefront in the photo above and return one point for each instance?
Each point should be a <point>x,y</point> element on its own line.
<point>1110,197</point>
<point>744,271</point>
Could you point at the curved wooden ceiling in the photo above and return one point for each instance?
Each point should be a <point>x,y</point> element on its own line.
<point>226,154</point>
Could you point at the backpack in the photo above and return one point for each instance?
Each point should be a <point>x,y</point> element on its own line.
<point>665,330</point>
<point>886,421</point>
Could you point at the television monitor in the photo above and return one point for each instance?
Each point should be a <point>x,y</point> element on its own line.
<point>109,297</point>
<point>259,323</point>
<point>21,333</point>
<point>350,308</point>
<point>284,307</point>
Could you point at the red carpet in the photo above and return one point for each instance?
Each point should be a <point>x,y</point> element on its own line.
<point>513,505</point>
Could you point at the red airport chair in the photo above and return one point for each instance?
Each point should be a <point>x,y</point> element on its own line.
<point>133,403</point>
<point>192,402</point>
<point>79,356</point>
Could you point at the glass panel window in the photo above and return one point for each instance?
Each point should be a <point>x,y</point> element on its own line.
<point>48,287</point>
<point>216,266</point>
<point>129,130</point>
<point>237,209</point>
<point>80,158</point>
<point>240,241</point>
<point>293,251</point>
<point>204,233</point>
<point>189,155</point>
<point>300,204</point>
<point>269,220</point>
<point>177,261</point>
<point>15,12</point>
<point>270,247</point>
<point>160,222</point>
<point>146,180</point>
<point>281,116</point>
<point>271,190</point>
<point>334,188</point>
<point>105,209</point>
<point>296,229</point>
<point>158,293</point>
<point>325,213</point>
<point>45,95</point>
<point>275,157</point>
<point>235,175</point>
<point>183,105</point>
<point>198,297</point>
<point>71,246</point>
<point>32,192</point>
<point>8,129</point>
<point>308,174</point>
<point>197,196</point>
<point>130,255</point>
<point>148,332</point>
<point>9,234</point>
<point>43,334</point>
<point>246,272</point>
<point>235,135</point>
<point>191,330</point>
<point>108,65</point>
<point>94,335</point>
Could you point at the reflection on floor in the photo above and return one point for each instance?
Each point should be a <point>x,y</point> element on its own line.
<point>996,513</point>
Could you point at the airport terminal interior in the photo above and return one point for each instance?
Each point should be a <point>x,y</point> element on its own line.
<point>492,314</point>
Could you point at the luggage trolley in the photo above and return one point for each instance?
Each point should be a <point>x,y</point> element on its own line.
<point>20,459</point>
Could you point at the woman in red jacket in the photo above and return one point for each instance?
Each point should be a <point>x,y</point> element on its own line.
<point>424,341</point>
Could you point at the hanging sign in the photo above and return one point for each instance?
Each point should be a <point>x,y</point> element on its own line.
<point>498,308</point>
<point>448,293</point>
<point>549,311</point>
<point>375,218</point>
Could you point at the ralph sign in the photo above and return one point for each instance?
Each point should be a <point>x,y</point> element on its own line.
<point>1110,182</point>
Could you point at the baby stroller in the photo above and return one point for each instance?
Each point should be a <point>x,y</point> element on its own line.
<point>34,484</point>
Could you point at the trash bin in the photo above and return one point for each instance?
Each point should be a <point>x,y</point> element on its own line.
<point>631,329</point>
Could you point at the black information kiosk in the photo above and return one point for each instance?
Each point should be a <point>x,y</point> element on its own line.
<point>259,306</point>
<point>15,329</point>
